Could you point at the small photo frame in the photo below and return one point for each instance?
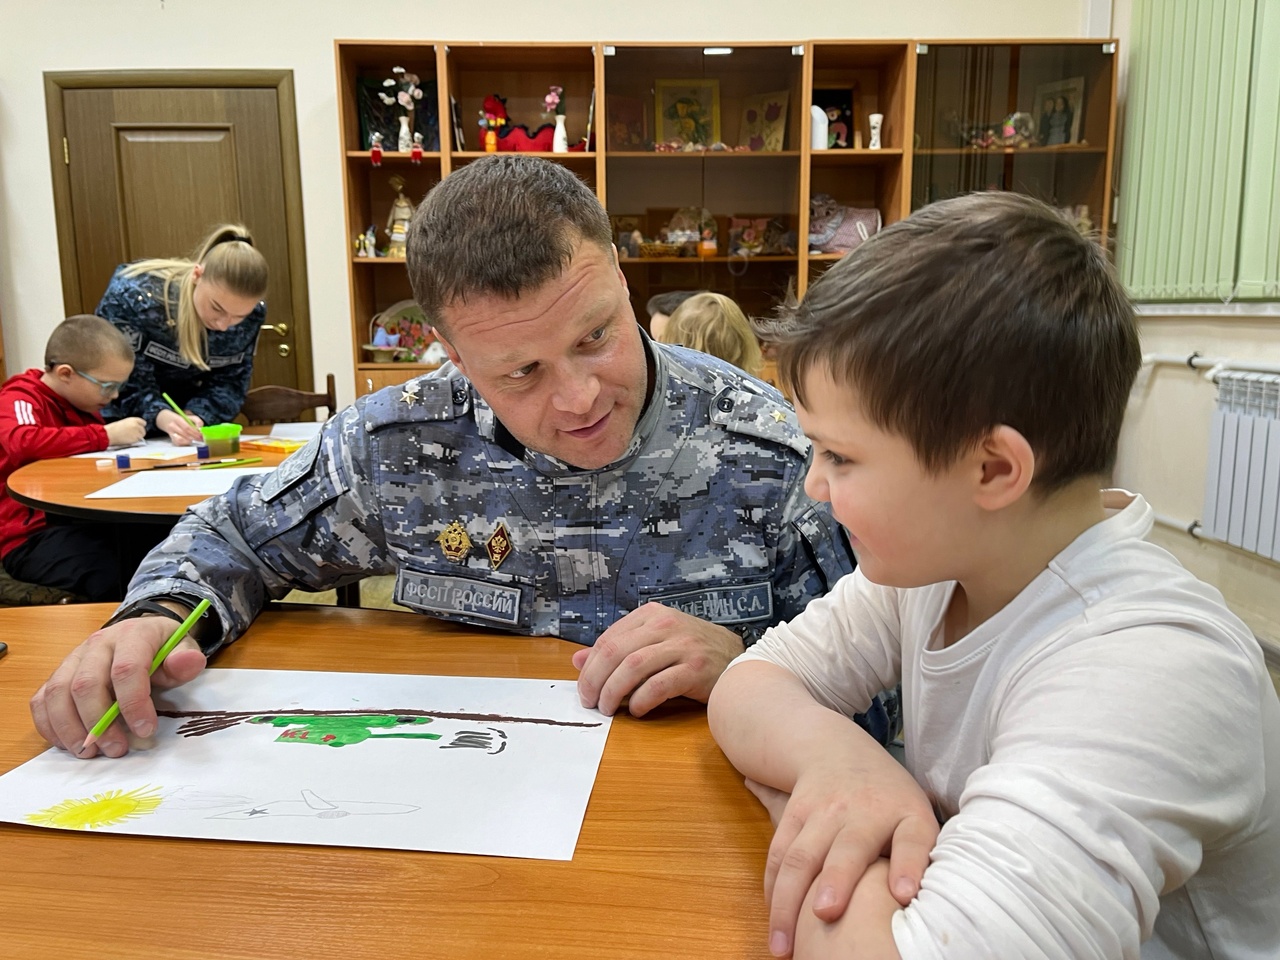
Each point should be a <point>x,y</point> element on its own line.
<point>1058,110</point>
<point>687,110</point>
<point>626,122</point>
<point>764,121</point>
<point>837,103</point>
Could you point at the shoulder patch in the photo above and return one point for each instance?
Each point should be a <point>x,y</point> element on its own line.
<point>759,415</point>
<point>296,466</point>
<point>442,394</point>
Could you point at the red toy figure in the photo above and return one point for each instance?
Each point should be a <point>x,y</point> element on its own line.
<point>415,154</point>
<point>375,149</point>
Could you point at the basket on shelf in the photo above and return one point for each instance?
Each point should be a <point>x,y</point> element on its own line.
<point>656,248</point>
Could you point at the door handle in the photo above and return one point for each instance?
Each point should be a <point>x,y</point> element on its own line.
<point>280,328</point>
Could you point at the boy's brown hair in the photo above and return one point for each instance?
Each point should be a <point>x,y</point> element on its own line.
<point>983,310</point>
<point>84,341</point>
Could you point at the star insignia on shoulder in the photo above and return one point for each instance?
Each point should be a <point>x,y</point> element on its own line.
<point>778,416</point>
<point>410,392</point>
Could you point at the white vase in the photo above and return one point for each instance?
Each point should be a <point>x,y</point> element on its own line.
<point>406,138</point>
<point>560,142</point>
<point>819,126</point>
<point>875,121</point>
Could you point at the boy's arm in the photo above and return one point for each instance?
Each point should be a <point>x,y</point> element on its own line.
<point>25,438</point>
<point>850,800</point>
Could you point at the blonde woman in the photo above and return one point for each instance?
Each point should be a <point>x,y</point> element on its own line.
<point>193,325</point>
<point>714,324</point>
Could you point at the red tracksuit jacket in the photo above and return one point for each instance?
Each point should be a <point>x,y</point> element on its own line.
<point>37,424</point>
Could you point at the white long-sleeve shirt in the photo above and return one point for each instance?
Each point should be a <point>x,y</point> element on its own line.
<point>1105,752</point>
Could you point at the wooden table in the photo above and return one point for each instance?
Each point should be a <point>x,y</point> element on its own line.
<point>668,865</point>
<point>60,485</point>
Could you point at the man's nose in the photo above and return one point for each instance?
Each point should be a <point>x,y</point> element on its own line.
<point>576,390</point>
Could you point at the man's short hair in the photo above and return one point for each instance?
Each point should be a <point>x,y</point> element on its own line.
<point>667,303</point>
<point>983,310</point>
<point>84,341</point>
<point>502,225</point>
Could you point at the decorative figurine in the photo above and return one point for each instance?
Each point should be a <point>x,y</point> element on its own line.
<point>415,154</point>
<point>875,120</point>
<point>384,337</point>
<point>554,102</point>
<point>375,148</point>
<point>407,94</point>
<point>398,218</point>
<point>493,117</point>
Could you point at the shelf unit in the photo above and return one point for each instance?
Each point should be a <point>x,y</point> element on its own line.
<point>916,86</point>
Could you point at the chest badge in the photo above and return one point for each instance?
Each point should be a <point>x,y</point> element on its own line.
<point>454,542</point>
<point>409,394</point>
<point>778,416</point>
<point>498,546</point>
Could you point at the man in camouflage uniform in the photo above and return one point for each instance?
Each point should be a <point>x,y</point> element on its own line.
<point>557,475</point>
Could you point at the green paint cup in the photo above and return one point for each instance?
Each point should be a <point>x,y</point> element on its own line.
<point>222,438</point>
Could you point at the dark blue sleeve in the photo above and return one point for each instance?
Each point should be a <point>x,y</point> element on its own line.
<point>129,308</point>
<point>222,395</point>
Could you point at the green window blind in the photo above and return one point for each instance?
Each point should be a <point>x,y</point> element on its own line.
<point>1182,174</point>
<point>1260,218</point>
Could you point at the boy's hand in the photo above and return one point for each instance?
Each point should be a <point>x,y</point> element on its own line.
<point>652,654</point>
<point>180,432</point>
<point>835,825</point>
<point>126,431</point>
<point>112,665</point>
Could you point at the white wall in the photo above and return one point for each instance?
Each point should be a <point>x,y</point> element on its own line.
<point>299,34</point>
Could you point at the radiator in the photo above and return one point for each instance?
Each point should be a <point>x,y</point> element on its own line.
<point>1242,482</point>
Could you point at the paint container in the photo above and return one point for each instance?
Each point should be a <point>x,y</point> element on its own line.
<point>122,461</point>
<point>202,452</point>
<point>222,438</point>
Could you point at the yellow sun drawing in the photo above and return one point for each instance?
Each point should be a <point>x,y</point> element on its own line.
<point>104,810</point>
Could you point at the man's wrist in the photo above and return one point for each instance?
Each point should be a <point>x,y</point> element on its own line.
<point>205,632</point>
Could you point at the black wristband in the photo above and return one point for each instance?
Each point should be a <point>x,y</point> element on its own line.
<point>142,607</point>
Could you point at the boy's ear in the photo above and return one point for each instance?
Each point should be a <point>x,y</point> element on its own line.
<point>63,371</point>
<point>1007,464</point>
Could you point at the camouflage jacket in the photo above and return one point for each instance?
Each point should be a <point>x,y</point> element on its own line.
<point>136,306</point>
<point>704,512</point>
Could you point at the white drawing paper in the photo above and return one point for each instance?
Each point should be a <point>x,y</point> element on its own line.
<point>500,767</point>
<point>191,482</point>
<point>143,450</point>
<point>295,431</point>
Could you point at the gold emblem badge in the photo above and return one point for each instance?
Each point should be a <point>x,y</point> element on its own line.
<point>778,416</point>
<point>454,542</point>
<point>499,545</point>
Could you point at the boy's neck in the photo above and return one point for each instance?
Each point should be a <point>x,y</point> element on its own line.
<point>1024,539</point>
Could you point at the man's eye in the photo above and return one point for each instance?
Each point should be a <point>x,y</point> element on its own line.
<point>595,335</point>
<point>521,373</point>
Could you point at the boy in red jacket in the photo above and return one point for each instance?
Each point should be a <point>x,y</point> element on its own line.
<point>55,413</point>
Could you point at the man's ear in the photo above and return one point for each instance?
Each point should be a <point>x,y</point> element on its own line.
<point>449,351</point>
<point>1005,466</point>
<point>617,265</point>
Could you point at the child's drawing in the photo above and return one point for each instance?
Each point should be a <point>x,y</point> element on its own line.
<point>102,810</point>
<point>312,805</point>
<point>498,767</point>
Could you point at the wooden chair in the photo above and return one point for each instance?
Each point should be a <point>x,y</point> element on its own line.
<point>277,404</point>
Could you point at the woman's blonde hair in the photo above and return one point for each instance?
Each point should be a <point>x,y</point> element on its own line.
<point>229,259</point>
<point>714,324</point>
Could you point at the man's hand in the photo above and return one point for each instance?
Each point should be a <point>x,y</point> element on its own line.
<point>653,654</point>
<point>128,430</point>
<point>180,432</point>
<point>112,665</point>
<point>836,824</point>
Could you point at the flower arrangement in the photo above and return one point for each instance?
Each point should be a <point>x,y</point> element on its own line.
<point>554,102</point>
<point>408,90</point>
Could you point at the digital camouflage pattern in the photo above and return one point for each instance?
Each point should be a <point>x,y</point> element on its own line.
<point>135,305</point>
<point>705,512</point>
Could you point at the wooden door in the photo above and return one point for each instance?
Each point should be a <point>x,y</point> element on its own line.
<point>149,169</point>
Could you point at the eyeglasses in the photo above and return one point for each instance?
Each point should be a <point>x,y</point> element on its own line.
<point>107,387</point>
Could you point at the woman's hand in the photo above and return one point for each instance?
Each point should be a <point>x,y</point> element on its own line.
<point>180,432</point>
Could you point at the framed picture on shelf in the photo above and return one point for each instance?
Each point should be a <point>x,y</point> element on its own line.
<point>626,122</point>
<point>687,110</point>
<point>837,104</point>
<point>1058,109</point>
<point>459,139</point>
<point>764,121</point>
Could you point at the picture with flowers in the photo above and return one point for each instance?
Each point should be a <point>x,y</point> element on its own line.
<point>688,110</point>
<point>381,102</point>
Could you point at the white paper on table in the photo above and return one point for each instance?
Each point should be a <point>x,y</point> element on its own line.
<point>144,450</point>
<point>295,431</point>
<point>508,772</point>
<point>176,483</point>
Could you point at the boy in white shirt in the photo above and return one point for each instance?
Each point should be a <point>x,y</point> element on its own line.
<point>1097,733</point>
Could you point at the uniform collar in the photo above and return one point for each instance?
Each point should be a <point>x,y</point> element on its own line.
<point>650,419</point>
